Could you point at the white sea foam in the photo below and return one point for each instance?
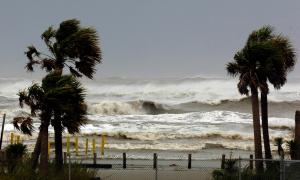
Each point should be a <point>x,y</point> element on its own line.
<point>117,107</point>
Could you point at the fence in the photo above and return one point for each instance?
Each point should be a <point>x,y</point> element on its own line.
<point>243,169</point>
<point>129,165</point>
<point>153,166</point>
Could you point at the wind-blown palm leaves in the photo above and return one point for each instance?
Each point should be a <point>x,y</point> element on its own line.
<point>265,58</point>
<point>279,63</point>
<point>70,46</point>
<point>57,93</point>
<point>247,68</point>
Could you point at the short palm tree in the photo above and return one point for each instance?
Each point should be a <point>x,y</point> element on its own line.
<point>34,98</point>
<point>57,93</point>
<point>70,46</point>
<point>279,60</point>
<point>279,143</point>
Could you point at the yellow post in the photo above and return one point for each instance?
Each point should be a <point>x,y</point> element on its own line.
<point>11,138</point>
<point>94,146</point>
<point>102,144</point>
<point>76,145</point>
<point>86,146</point>
<point>18,139</point>
<point>68,144</point>
<point>49,148</point>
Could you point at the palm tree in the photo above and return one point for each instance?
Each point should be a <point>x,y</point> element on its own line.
<point>247,66</point>
<point>69,113</point>
<point>57,93</point>
<point>292,146</point>
<point>279,143</point>
<point>34,98</point>
<point>280,59</point>
<point>70,46</point>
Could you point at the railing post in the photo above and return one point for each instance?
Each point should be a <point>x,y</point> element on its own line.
<point>102,144</point>
<point>86,146</point>
<point>76,146</point>
<point>190,161</point>
<point>240,178</point>
<point>223,161</point>
<point>154,161</point>
<point>251,162</point>
<point>65,157</point>
<point>11,138</point>
<point>95,158</point>
<point>68,144</point>
<point>124,160</point>
<point>155,165</point>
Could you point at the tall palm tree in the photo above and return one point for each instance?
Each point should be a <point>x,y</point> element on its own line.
<point>280,59</point>
<point>71,46</point>
<point>247,66</point>
<point>57,93</point>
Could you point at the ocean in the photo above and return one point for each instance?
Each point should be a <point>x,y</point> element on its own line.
<point>183,115</point>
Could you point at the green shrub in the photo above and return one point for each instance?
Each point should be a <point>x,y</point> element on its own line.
<point>14,155</point>
<point>23,171</point>
<point>16,151</point>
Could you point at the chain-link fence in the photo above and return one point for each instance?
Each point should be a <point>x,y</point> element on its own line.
<point>248,169</point>
<point>155,166</point>
<point>145,164</point>
<point>152,166</point>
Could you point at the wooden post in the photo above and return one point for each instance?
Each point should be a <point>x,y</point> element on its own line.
<point>251,162</point>
<point>65,158</point>
<point>2,130</point>
<point>223,161</point>
<point>190,161</point>
<point>76,146</point>
<point>11,138</point>
<point>18,139</point>
<point>68,144</point>
<point>154,161</point>
<point>95,158</point>
<point>94,146</point>
<point>297,134</point>
<point>124,160</point>
<point>86,146</point>
<point>102,144</point>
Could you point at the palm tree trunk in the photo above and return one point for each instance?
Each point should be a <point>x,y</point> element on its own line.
<point>265,126</point>
<point>45,117</point>
<point>36,152</point>
<point>58,144</point>
<point>256,129</point>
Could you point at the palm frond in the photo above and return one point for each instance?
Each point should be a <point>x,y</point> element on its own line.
<point>48,64</point>
<point>233,69</point>
<point>66,29</point>
<point>24,124</point>
<point>31,51</point>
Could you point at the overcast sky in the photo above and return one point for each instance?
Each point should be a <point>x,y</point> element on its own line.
<point>148,38</point>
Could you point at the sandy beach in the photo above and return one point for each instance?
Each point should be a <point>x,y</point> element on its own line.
<point>151,174</point>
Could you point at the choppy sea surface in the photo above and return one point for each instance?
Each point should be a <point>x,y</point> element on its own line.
<point>170,114</point>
